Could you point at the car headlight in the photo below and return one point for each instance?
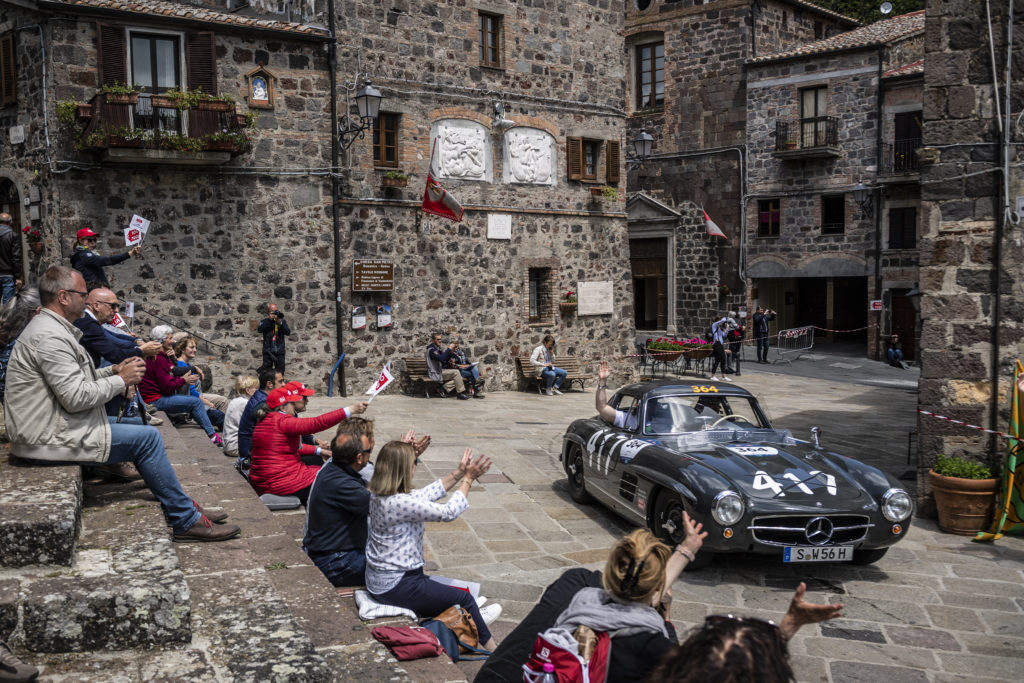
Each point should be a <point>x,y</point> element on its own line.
<point>727,508</point>
<point>896,505</point>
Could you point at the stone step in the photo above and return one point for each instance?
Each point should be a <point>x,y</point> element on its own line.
<point>40,512</point>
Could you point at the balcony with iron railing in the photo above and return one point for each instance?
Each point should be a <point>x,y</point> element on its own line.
<point>900,156</point>
<point>143,128</point>
<point>807,138</point>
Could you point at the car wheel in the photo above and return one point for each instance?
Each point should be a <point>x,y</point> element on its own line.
<point>574,469</point>
<point>869,556</point>
<point>668,526</point>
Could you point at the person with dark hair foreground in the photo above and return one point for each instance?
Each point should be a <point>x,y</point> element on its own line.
<point>728,648</point>
<point>630,594</point>
<point>55,415</point>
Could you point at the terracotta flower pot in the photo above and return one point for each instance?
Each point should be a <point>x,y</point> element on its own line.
<point>964,505</point>
<point>393,182</point>
<point>36,248</point>
<point>567,306</point>
<point>665,356</point>
<point>122,99</point>
<point>215,105</point>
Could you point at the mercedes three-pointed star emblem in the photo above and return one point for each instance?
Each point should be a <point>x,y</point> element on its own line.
<point>818,531</point>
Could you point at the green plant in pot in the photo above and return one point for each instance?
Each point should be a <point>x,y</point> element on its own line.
<point>965,492</point>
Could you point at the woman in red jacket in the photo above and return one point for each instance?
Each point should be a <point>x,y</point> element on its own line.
<point>277,467</point>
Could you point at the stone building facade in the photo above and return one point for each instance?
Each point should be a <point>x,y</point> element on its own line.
<point>972,285</point>
<point>698,117</point>
<point>232,230</point>
<point>822,122</point>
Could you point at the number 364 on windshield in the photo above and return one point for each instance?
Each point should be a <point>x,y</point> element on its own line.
<point>703,389</point>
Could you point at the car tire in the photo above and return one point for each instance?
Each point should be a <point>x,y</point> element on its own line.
<point>669,507</point>
<point>574,470</point>
<point>868,556</point>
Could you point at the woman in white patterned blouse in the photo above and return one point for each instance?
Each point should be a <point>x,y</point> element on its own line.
<point>394,550</point>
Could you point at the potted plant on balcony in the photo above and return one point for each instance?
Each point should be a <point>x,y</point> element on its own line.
<point>965,492</point>
<point>117,93</point>
<point>605,192</point>
<point>723,289</point>
<point>394,179</point>
<point>123,136</point>
<point>568,302</point>
<point>194,99</point>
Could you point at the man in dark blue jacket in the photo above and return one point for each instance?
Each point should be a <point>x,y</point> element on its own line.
<point>761,320</point>
<point>87,261</point>
<point>274,329</point>
<point>337,512</point>
<point>270,379</point>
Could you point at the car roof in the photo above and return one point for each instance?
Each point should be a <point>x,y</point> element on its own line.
<point>669,387</point>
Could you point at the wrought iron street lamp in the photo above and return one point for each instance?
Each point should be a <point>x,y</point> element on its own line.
<point>368,105</point>
<point>862,195</point>
<point>642,145</point>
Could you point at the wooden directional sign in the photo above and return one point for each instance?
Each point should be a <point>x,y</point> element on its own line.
<point>373,275</point>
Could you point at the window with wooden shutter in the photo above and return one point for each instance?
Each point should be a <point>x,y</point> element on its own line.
<point>612,162</point>
<point>111,54</point>
<point>8,72</point>
<point>201,62</point>
<point>574,157</point>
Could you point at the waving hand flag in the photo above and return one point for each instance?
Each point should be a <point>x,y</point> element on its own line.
<point>381,382</point>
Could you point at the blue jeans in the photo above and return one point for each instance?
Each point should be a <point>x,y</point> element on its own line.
<point>7,287</point>
<point>553,376</point>
<point>895,355</point>
<point>186,404</point>
<point>343,568</point>
<point>471,373</point>
<point>762,347</point>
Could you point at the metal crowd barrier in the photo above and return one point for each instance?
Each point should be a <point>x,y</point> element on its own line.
<point>793,343</point>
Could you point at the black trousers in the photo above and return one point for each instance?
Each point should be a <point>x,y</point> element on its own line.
<point>717,357</point>
<point>273,362</point>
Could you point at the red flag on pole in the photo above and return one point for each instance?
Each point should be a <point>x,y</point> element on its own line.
<point>436,199</point>
<point>712,228</point>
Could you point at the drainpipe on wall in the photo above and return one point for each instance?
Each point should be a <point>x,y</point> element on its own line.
<point>339,318</point>
<point>877,192</point>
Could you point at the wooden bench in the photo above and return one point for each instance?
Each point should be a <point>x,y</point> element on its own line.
<point>416,375</point>
<point>570,364</point>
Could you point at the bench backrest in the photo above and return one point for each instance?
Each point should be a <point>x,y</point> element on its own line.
<point>416,366</point>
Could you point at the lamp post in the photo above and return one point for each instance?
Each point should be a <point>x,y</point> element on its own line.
<point>642,145</point>
<point>862,195</point>
<point>368,100</point>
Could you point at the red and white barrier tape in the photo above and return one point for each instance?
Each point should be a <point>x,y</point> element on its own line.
<point>966,424</point>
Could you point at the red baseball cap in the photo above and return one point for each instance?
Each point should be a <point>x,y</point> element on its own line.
<point>278,397</point>
<point>301,388</point>
<point>87,232</point>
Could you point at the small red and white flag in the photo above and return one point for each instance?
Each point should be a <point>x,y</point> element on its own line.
<point>436,199</point>
<point>382,382</point>
<point>117,321</point>
<point>712,227</point>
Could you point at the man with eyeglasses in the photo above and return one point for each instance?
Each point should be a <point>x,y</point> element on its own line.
<point>87,261</point>
<point>54,408</point>
<point>100,306</point>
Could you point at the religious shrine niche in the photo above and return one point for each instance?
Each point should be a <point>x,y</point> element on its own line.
<point>530,156</point>
<point>462,151</point>
<point>261,88</point>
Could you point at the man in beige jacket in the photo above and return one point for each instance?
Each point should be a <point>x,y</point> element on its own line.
<point>54,405</point>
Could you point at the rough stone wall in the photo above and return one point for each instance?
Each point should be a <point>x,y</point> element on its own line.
<point>706,47</point>
<point>774,93</point>
<point>562,72</point>
<point>697,299</point>
<point>962,195</point>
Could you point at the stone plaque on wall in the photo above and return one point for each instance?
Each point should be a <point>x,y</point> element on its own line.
<point>373,275</point>
<point>529,157</point>
<point>595,298</point>
<point>499,226</point>
<point>462,150</point>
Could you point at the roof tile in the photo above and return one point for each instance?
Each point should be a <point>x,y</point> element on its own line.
<point>878,33</point>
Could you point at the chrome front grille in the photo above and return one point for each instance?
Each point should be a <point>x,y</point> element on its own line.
<point>792,529</point>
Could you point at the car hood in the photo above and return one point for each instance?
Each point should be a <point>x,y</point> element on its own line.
<point>788,474</point>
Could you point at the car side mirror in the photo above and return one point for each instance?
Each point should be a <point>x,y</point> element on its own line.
<point>816,434</point>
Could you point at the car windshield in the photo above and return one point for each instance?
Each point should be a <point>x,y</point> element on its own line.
<point>702,412</point>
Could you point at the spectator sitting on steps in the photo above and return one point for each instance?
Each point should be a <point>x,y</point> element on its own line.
<point>894,352</point>
<point>269,380</point>
<point>245,387</point>
<point>87,261</point>
<point>56,416</point>
<point>275,460</point>
<point>185,356</point>
<point>159,386</point>
<point>438,359</point>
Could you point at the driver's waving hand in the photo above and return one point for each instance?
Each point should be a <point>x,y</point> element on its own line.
<point>619,418</point>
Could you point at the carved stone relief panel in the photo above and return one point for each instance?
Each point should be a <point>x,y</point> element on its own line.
<point>529,157</point>
<point>463,151</point>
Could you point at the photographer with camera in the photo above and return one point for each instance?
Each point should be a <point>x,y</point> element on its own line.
<point>761,320</point>
<point>274,329</point>
<point>719,331</point>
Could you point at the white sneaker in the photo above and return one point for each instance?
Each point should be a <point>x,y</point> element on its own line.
<point>490,613</point>
<point>481,601</point>
<point>725,378</point>
<point>712,378</point>
<point>549,392</point>
<point>557,392</point>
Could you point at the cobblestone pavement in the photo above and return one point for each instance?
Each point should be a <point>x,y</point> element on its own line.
<point>937,608</point>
